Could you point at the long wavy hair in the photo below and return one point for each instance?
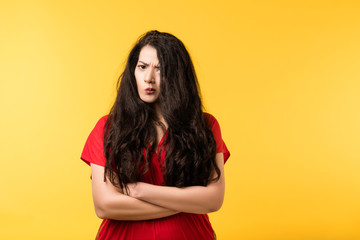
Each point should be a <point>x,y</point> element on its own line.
<point>131,124</point>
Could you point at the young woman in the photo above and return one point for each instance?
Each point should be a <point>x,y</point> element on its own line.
<point>157,160</point>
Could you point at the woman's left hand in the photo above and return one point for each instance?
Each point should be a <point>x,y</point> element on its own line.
<point>192,199</point>
<point>133,189</point>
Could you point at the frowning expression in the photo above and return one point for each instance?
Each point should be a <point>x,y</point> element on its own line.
<point>147,75</point>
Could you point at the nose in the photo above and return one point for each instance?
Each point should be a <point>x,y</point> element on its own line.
<point>149,76</point>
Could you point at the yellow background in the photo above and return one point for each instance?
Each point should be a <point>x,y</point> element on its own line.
<point>282,78</point>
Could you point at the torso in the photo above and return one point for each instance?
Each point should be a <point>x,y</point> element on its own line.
<point>181,226</point>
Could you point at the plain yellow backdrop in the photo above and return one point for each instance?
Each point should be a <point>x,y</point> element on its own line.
<point>282,78</point>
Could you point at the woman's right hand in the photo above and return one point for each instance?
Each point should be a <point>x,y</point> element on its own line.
<point>111,203</point>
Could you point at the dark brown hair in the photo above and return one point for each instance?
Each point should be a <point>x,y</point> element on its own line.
<point>130,127</point>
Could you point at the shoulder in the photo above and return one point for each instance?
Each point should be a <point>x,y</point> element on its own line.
<point>93,151</point>
<point>215,128</point>
<point>208,115</point>
<point>103,119</point>
<point>101,123</point>
<point>211,120</point>
<point>213,125</point>
<point>98,131</point>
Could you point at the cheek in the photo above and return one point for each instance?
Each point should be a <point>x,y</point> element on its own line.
<point>138,79</point>
<point>158,82</point>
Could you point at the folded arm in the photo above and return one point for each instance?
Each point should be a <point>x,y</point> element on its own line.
<point>111,203</point>
<point>194,199</point>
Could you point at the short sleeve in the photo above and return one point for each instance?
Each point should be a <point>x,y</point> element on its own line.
<point>93,151</point>
<point>220,144</point>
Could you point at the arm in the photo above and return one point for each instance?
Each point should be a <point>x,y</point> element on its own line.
<point>110,203</point>
<point>194,199</point>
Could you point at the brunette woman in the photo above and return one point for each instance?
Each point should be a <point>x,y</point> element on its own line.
<point>157,160</point>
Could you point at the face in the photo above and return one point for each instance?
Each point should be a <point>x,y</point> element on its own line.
<point>147,74</point>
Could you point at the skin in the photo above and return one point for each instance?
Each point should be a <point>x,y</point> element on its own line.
<point>111,203</point>
<point>146,201</point>
<point>194,199</point>
<point>147,74</point>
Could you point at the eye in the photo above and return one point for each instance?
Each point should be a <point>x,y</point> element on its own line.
<point>142,67</point>
<point>157,69</point>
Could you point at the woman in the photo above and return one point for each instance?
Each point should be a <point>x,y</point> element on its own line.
<point>157,161</point>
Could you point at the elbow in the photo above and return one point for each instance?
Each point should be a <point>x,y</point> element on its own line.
<point>100,212</point>
<point>100,209</point>
<point>215,205</point>
<point>217,195</point>
<point>215,208</point>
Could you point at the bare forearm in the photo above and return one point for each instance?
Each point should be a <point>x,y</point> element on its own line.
<point>122,207</point>
<point>194,199</point>
<point>111,203</point>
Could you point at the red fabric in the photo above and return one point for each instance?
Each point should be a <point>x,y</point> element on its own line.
<point>177,227</point>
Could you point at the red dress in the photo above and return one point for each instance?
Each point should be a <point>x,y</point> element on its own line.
<point>180,226</point>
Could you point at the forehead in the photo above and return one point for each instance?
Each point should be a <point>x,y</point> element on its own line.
<point>148,54</point>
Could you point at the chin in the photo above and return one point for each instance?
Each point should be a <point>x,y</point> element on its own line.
<point>146,100</point>
<point>149,99</point>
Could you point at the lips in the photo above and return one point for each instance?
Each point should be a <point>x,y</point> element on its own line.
<point>149,90</point>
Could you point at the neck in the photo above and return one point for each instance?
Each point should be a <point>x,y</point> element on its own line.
<point>158,110</point>
<point>159,114</point>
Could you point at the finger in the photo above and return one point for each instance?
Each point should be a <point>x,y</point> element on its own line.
<point>125,191</point>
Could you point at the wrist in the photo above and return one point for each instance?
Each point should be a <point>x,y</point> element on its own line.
<point>135,190</point>
<point>139,190</point>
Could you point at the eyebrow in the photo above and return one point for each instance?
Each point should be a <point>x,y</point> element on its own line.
<point>146,64</point>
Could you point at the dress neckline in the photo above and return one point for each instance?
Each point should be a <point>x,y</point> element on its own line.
<point>161,142</point>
